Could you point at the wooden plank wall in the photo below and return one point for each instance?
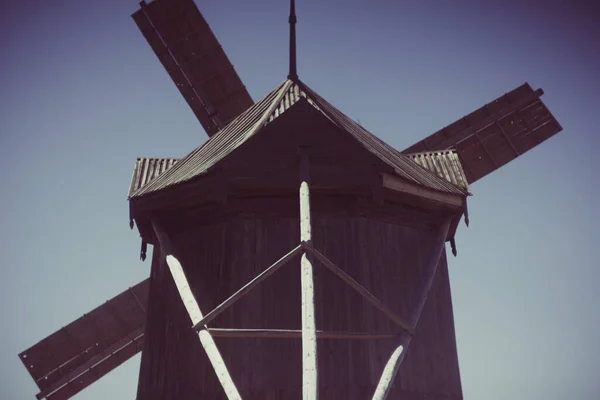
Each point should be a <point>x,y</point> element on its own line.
<point>219,258</point>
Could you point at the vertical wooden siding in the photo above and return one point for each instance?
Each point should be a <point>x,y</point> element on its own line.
<point>385,257</point>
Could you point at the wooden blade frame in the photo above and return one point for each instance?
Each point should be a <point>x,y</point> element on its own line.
<point>82,352</point>
<point>187,48</point>
<point>496,133</point>
<point>309,334</point>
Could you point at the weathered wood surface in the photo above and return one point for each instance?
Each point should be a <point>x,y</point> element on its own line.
<point>297,334</point>
<point>384,255</point>
<point>246,288</point>
<point>195,315</point>
<point>80,353</point>
<point>267,166</point>
<point>95,368</point>
<point>200,69</point>
<point>429,271</point>
<point>368,296</point>
<point>496,133</point>
<point>267,169</point>
<point>403,186</point>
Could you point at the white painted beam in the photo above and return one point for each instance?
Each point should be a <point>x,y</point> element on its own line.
<point>195,314</point>
<point>310,386</point>
<point>358,287</point>
<point>247,288</point>
<point>391,368</point>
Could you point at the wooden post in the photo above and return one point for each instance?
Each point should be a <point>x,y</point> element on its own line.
<point>195,314</point>
<point>391,368</point>
<point>310,387</point>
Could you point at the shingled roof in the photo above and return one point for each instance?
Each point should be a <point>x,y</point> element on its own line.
<point>445,164</point>
<point>251,122</point>
<point>146,169</point>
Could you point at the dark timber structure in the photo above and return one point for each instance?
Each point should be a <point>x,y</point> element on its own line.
<point>295,255</point>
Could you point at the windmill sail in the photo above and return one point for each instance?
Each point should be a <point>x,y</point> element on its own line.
<point>82,352</point>
<point>196,62</point>
<point>496,133</point>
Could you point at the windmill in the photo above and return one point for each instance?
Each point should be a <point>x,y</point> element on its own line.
<point>229,209</point>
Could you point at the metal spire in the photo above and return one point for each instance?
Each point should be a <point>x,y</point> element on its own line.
<point>293,75</point>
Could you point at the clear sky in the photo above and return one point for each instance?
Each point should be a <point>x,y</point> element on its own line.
<point>82,95</point>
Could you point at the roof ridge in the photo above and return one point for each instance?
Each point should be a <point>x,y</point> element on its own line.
<point>384,151</point>
<point>247,124</point>
<point>274,104</point>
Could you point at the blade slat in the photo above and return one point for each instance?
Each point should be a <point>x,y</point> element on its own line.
<point>496,133</point>
<point>87,339</point>
<point>97,371</point>
<point>187,48</point>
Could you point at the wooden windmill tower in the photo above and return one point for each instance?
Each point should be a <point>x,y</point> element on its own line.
<point>294,253</point>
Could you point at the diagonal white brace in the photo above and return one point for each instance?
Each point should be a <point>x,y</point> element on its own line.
<point>195,314</point>
<point>246,288</point>
<point>358,287</point>
<point>391,368</point>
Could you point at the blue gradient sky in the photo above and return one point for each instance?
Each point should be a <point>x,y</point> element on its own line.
<point>82,95</point>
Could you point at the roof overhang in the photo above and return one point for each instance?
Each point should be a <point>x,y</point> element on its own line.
<point>399,185</point>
